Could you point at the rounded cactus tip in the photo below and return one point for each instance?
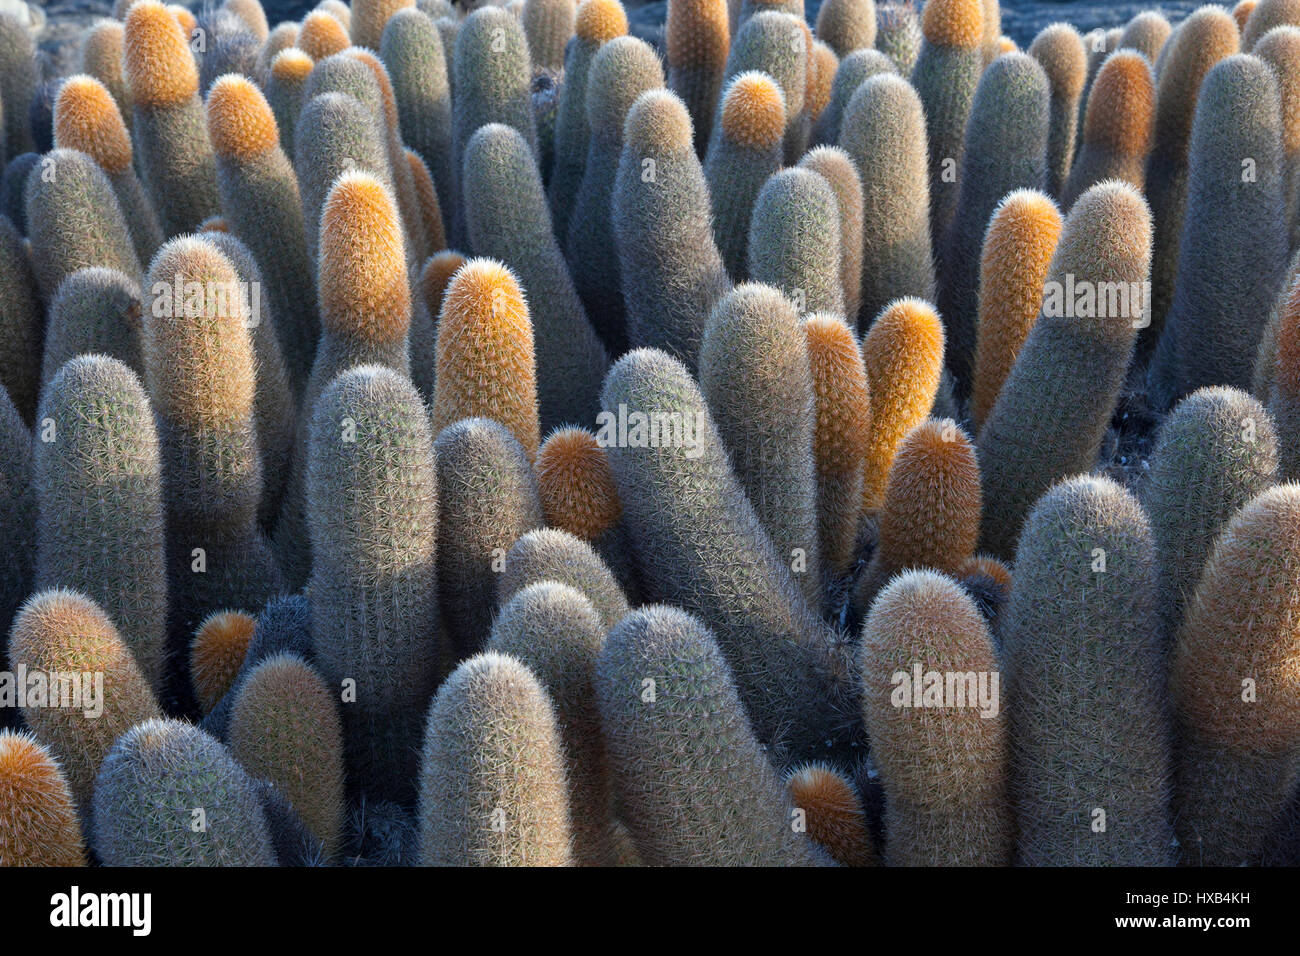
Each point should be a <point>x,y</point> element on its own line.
<point>577,484</point>
<point>834,813</point>
<point>86,118</point>
<point>291,66</point>
<point>240,122</point>
<point>436,276</point>
<point>600,20</point>
<point>1060,50</point>
<point>38,820</point>
<point>184,16</point>
<point>322,35</point>
<point>362,258</point>
<point>839,376</point>
<point>214,224</point>
<point>1242,11</point>
<point>1121,113</point>
<point>217,653</point>
<point>159,66</point>
<point>657,123</point>
<point>953,23</point>
<point>918,317</point>
<point>753,111</point>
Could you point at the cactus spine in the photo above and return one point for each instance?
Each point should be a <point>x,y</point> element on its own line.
<point>1099,740</point>
<point>756,376</point>
<point>833,812</point>
<point>1267,15</point>
<point>943,768</point>
<point>847,25</point>
<point>672,271</point>
<point>99,500</point>
<point>169,129</point>
<point>64,632</point>
<point>555,631</point>
<point>322,35</point>
<point>507,218</point>
<point>285,87</point>
<point>548,24</point>
<point>696,788</point>
<point>554,555</point>
<point>884,133</point>
<point>21,323</point>
<point>837,168</point>
<point>697,36</point>
<point>794,240</point>
<point>493,789</point>
<point>217,654</point>
<point>373,587</point>
<point>852,71</point>
<point>779,45</point>
<point>1118,126</point>
<point>1038,433</point>
<point>101,57</point>
<point>1146,33</point>
<point>368,18</point>
<point>149,784</point>
<point>38,820</point>
<point>1280,49</point>
<point>1234,686</point>
<point>1059,49</point>
<point>18,80</point>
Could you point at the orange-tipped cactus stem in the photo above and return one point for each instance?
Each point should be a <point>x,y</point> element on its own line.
<point>169,127</point>
<point>322,35</point>
<point>370,16</point>
<point>485,353</point>
<point>217,653</point>
<point>1284,400</point>
<point>698,37</point>
<point>1267,15</point>
<point>903,352</point>
<point>832,813</point>
<point>286,84</point>
<point>101,57</point>
<point>1118,126</point>
<point>426,306</point>
<point>38,820</point>
<point>576,484</point>
<point>1059,49</point>
<point>1018,250</point>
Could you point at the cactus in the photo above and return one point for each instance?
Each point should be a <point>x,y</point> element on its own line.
<point>946,74</point>
<point>412,51</point>
<point>64,632</point>
<point>554,631</point>
<point>842,403</point>
<point>21,323</point>
<point>1146,33</point>
<point>17,513</point>
<point>757,379</point>
<point>368,18</point>
<point>833,813</point>
<point>931,512</point>
<point>700,545</point>
<point>903,352</point>
<point>38,821</point>
<point>988,582</point>
<point>1090,754</point>
<point>1262,381</point>
<point>275,411</point>
<point>254,17</point>
<point>898,33</point>
<point>944,768</point>
<point>748,151</point>
<point>102,47</point>
<point>1267,15</point>
<point>1202,40</point>
<point>200,374</point>
<point>847,26</point>
<point>671,268</point>
<point>1006,150</point>
<point>1050,416</point>
<point>507,218</point>
<point>1017,252</point>
<point>283,37</point>
<point>548,25</point>
<point>259,196</point>
<point>1059,49</point>
<point>374,580</point>
<point>554,555</point>
<point>322,35</point>
<point>794,240</point>
<point>336,134</point>
<point>493,788</point>
<point>487,498</point>
<point>697,36</point>
<point>837,168</point>
<point>168,126</point>
<point>1242,11</point>
<point>86,118</point>
<point>598,21</point>
<point>1118,126</point>
<point>770,41</point>
<point>74,221</point>
<point>161,777</point>
<point>695,787</point>
<point>94,311</point>
<point>884,133</point>
<point>429,290</point>
<point>1284,398</point>
<point>285,87</point>
<point>1234,690</point>
<point>620,72</point>
<point>1215,452</point>
<point>99,502</point>
<point>1233,253</point>
<point>427,194</point>
<point>284,727</point>
<point>13,189</point>
<point>485,362</point>
<point>852,71</point>
<point>217,654</point>
<point>231,48</point>
<point>1100,44</point>
<point>1280,49</point>
<point>17,83</point>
